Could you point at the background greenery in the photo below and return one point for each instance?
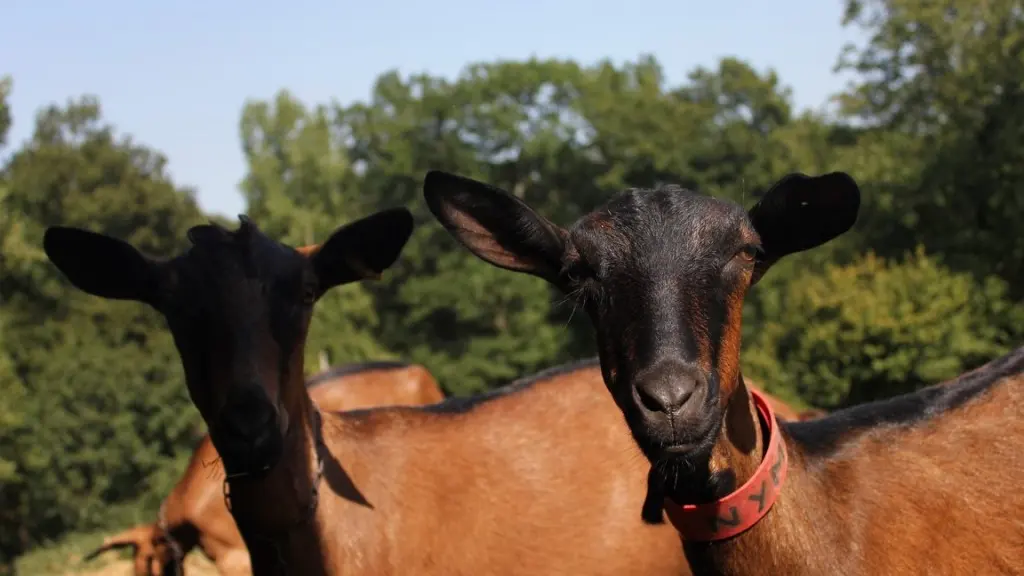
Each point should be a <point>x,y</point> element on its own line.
<point>95,422</point>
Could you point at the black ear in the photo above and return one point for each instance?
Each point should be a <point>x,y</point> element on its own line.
<point>207,234</point>
<point>363,249</point>
<point>802,212</point>
<point>101,265</point>
<point>495,225</point>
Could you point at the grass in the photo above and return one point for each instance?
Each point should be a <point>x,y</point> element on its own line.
<point>64,558</point>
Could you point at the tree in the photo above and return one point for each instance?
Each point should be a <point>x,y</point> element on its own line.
<point>471,325</point>
<point>300,188</point>
<point>940,87</point>
<point>877,328</point>
<point>105,405</point>
<point>13,251</point>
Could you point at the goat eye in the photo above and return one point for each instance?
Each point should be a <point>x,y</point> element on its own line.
<point>748,253</point>
<point>577,274</point>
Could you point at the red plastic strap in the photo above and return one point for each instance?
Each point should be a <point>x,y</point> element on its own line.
<point>739,511</point>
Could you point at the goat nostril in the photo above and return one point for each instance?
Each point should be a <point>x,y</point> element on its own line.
<point>665,396</point>
<point>647,398</point>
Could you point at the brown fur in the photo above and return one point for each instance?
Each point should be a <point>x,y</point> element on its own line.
<point>811,414</point>
<point>728,368</point>
<point>936,497</point>
<point>308,251</point>
<point>412,386</point>
<point>505,487</point>
<point>194,512</point>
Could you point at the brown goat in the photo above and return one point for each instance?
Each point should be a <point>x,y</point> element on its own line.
<point>194,513</point>
<point>783,410</point>
<point>924,483</point>
<point>511,482</point>
<point>811,414</point>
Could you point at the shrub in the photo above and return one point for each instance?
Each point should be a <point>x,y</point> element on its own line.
<point>876,328</point>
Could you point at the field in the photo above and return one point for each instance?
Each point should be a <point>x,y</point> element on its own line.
<point>65,559</point>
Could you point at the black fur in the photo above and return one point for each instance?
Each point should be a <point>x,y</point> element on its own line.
<point>232,301</point>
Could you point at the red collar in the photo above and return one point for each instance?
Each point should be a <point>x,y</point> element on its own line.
<point>740,510</point>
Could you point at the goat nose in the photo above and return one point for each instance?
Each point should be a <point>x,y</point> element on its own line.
<point>247,412</point>
<point>668,385</point>
<point>665,394</point>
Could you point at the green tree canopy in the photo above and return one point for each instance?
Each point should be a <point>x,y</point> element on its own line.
<point>301,187</point>
<point>877,328</point>
<point>940,89</point>
<point>105,405</point>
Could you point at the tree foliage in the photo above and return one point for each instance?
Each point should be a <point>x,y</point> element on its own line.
<point>876,328</point>
<point>12,244</point>
<point>942,82</point>
<point>102,402</point>
<point>300,188</point>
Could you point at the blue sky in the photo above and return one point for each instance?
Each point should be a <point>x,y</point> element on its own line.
<point>176,74</point>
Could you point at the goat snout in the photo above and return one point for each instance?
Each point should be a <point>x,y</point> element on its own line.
<point>668,387</point>
<point>249,438</point>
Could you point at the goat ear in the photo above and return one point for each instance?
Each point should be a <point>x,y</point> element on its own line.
<point>801,212</point>
<point>361,250</point>
<point>101,265</point>
<point>495,226</point>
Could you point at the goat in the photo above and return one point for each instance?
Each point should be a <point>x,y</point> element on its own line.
<point>510,482</point>
<point>783,410</point>
<point>923,483</point>
<point>194,513</point>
